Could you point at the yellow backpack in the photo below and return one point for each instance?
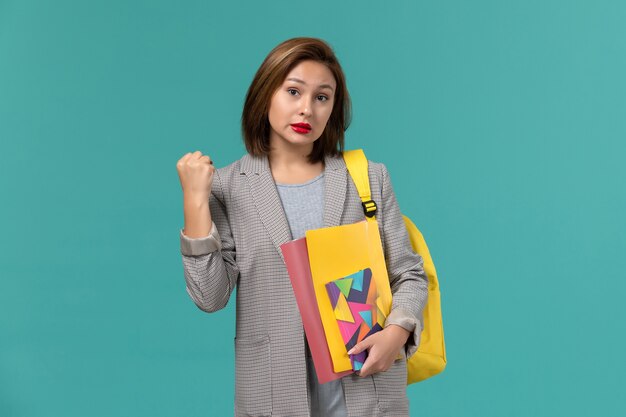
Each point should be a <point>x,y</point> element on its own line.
<point>430,358</point>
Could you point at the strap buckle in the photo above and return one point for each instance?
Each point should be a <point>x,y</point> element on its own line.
<point>369,207</point>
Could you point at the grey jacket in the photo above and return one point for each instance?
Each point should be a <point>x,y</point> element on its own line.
<point>243,251</point>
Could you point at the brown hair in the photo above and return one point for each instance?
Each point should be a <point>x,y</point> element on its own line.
<point>255,125</point>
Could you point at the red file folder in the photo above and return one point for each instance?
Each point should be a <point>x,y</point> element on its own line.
<point>297,261</point>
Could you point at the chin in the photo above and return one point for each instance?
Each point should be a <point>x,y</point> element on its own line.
<point>304,144</point>
<point>291,139</point>
<point>302,141</point>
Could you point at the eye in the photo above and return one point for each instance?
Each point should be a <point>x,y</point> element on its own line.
<point>322,98</point>
<point>292,91</point>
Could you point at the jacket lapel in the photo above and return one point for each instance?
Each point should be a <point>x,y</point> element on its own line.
<point>269,205</point>
<point>335,177</point>
<point>266,199</point>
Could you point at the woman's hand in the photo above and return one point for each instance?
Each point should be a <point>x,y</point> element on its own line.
<point>195,172</point>
<point>383,349</point>
<point>196,177</point>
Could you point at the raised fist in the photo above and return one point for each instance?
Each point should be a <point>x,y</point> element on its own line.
<point>196,174</point>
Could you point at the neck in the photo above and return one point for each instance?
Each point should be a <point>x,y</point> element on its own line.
<point>285,155</point>
<point>290,164</point>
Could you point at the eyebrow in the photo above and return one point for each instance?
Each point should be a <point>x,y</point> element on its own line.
<point>302,82</point>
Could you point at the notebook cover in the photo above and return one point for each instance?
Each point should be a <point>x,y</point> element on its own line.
<point>353,299</point>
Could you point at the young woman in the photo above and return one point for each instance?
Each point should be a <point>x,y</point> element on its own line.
<point>294,179</point>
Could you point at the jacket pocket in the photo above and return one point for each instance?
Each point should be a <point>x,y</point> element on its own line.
<point>390,389</point>
<point>253,376</point>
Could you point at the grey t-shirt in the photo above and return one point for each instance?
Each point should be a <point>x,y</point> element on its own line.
<point>304,208</point>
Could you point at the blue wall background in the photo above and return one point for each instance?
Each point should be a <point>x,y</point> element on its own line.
<point>502,124</point>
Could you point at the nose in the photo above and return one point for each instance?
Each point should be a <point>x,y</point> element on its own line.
<point>305,108</point>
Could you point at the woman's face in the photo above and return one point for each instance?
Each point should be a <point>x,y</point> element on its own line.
<point>305,97</point>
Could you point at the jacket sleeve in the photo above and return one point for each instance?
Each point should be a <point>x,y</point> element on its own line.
<point>209,265</point>
<point>409,283</point>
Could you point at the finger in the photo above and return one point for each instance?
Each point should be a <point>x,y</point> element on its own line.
<point>207,158</point>
<point>361,346</point>
<point>366,369</point>
<point>185,157</point>
<point>196,155</point>
<point>356,349</point>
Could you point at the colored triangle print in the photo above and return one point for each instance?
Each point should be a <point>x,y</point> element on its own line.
<point>377,327</point>
<point>333,293</point>
<point>344,285</point>
<point>356,309</point>
<point>342,310</point>
<point>358,295</point>
<point>352,276</point>
<point>358,360</point>
<point>367,317</point>
<point>360,288</point>
<point>353,341</point>
<point>347,330</point>
<point>363,331</point>
<point>370,284</point>
<point>357,282</point>
<point>367,273</point>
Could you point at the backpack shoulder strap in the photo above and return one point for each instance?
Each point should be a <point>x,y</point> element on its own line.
<point>356,162</point>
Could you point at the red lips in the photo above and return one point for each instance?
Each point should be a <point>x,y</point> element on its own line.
<point>302,125</point>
